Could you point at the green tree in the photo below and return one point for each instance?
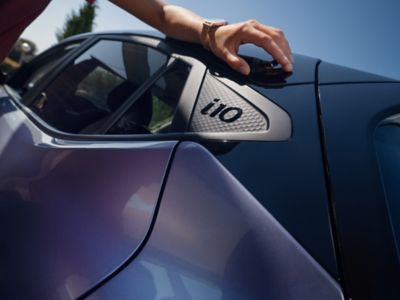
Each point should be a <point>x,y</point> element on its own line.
<point>78,22</point>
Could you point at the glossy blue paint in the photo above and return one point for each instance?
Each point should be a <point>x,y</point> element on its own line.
<point>297,193</point>
<point>213,240</point>
<point>331,73</point>
<point>350,114</point>
<point>70,212</point>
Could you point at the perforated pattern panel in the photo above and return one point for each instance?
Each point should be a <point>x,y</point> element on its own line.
<point>219,109</point>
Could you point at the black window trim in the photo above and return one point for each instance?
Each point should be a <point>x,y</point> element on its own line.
<point>120,112</point>
<point>61,137</point>
<point>36,63</point>
<point>67,62</point>
<point>32,95</point>
<point>186,102</point>
<point>87,44</point>
<point>392,120</point>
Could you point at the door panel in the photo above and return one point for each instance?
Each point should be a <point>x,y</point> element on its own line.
<point>294,172</point>
<point>70,213</point>
<point>213,240</point>
<point>351,114</point>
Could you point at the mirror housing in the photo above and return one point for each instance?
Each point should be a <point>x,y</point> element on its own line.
<point>3,77</point>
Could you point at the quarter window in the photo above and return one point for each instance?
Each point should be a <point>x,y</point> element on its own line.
<point>44,69</point>
<point>31,73</point>
<point>387,142</point>
<point>96,84</point>
<point>154,110</point>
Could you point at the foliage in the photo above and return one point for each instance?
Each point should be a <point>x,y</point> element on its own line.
<point>78,22</point>
<point>97,85</point>
<point>17,56</point>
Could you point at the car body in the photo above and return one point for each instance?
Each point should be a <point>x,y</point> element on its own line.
<point>134,166</point>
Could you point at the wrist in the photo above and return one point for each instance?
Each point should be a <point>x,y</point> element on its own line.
<point>207,32</point>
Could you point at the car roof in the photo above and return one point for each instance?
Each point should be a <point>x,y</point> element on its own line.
<point>304,68</point>
<point>307,70</point>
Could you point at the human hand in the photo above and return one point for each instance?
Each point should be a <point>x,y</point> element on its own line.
<point>225,41</point>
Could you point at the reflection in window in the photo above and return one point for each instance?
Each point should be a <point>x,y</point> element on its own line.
<point>96,84</point>
<point>31,77</point>
<point>387,142</point>
<point>154,110</point>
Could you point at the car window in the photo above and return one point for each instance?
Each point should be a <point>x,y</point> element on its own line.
<point>31,73</point>
<point>153,112</point>
<point>387,142</point>
<point>96,84</point>
<point>47,67</point>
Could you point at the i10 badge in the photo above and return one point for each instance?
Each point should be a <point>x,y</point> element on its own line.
<point>226,114</point>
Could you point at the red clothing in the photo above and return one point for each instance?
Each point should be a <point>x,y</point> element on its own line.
<point>15,16</point>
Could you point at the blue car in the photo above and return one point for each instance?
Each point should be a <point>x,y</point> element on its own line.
<point>135,166</point>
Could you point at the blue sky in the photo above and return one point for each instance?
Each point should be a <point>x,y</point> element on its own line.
<point>362,34</point>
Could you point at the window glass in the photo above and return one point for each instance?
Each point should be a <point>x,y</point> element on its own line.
<point>96,84</point>
<point>43,69</point>
<point>387,142</point>
<point>27,77</point>
<point>154,110</point>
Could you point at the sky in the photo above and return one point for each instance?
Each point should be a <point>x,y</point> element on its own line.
<point>362,34</point>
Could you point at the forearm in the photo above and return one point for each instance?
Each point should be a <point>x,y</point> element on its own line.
<point>224,41</point>
<point>174,21</point>
<point>182,24</point>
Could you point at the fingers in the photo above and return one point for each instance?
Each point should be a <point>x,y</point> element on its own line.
<point>279,38</point>
<point>236,62</point>
<point>226,40</point>
<point>268,44</point>
<point>271,42</point>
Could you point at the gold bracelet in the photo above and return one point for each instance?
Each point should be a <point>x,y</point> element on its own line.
<point>209,26</point>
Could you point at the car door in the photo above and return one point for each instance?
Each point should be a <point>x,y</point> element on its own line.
<point>74,203</point>
<point>359,119</point>
<point>244,211</point>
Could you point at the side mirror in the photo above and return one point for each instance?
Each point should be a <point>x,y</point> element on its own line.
<point>3,77</point>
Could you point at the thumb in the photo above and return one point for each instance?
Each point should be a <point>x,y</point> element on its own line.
<point>237,63</point>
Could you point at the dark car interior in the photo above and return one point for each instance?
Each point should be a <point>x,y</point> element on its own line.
<point>87,95</point>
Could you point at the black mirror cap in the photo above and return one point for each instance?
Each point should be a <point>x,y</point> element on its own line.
<point>3,77</point>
